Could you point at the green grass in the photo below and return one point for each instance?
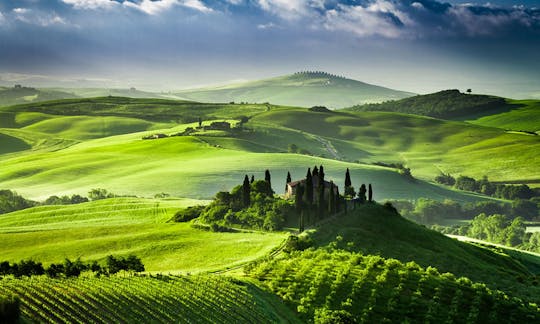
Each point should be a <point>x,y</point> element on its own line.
<point>303,90</point>
<point>164,299</point>
<point>122,226</point>
<point>525,117</point>
<point>185,167</point>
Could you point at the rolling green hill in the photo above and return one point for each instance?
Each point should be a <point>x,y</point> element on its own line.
<point>123,226</point>
<point>57,133</point>
<point>443,104</point>
<point>303,89</point>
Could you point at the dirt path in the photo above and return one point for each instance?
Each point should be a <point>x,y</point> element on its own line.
<point>328,147</point>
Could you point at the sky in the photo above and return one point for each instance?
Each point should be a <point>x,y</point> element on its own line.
<point>420,46</point>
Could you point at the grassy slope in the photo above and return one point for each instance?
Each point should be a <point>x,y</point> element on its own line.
<point>304,90</point>
<point>374,230</point>
<point>524,118</point>
<point>426,145</point>
<point>122,226</point>
<point>186,299</point>
<point>173,165</point>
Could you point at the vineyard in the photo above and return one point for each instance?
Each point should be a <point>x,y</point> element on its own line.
<point>141,299</point>
<point>328,286</point>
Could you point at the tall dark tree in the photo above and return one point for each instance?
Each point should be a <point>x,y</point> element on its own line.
<point>287,180</point>
<point>252,179</point>
<point>338,200</point>
<point>321,204</point>
<point>308,193</point>
<point>299,205</point>
<point>331,199</point>
<point>267,177</point>
<point>246,191</point>
<point>348,182</point>
<point>370,193</point>
<point>298,199</point>
<point>200,122</point>
<point>315,171</point>
<point>362,193</point>
<point>321,174</point>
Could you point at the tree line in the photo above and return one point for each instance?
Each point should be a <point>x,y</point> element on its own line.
<point>11,201</point>
<point>69,268</point>
<point>484,186</point>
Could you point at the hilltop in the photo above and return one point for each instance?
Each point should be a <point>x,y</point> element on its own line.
<point>442,104</point>
<point>20,95</point>
<point>302,89</point>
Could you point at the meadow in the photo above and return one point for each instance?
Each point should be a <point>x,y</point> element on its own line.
<point>126,226</point>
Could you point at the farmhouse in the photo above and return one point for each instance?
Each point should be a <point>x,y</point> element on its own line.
<point>293,186</point>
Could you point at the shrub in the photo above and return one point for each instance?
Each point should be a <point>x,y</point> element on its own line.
<point>187,214</point>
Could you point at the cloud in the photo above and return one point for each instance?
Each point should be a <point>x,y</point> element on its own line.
<point>287,9</point>
<point>37,17</point>
<point>151,7</point>
<point>270,25</point>
<point>91,4</point>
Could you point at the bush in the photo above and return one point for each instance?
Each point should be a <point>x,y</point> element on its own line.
<point>99,193</point>
<point>187,214</point>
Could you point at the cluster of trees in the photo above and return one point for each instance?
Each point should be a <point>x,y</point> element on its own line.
<point>497,228</point>
<point>428,211</point>
<point>311,201</point>
<point>484,186</point>
<point>71,268</point>
<point>11,201</point>
<point>293,148</point>
<point>351,193</point>
<point>251,205</point>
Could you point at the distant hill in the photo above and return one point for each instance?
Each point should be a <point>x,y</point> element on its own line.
<point>443,104</point>
<point>20,94</point>
<point>303,89</point>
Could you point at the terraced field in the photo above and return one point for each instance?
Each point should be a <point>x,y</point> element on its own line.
<point>159,299</point>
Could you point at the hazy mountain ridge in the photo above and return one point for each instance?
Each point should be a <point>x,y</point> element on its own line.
<point>303,89</point>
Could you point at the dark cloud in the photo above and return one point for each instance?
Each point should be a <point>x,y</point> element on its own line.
<point>167,40</point>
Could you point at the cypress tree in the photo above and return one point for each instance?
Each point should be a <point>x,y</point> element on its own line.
<point>348,182</point>
<point>331,199</point>
<point>287,180</point>
<point>320,201</point>
<point>267,177</point>
<point>246,191</point>
<point>362,193</point>
<point>338,200</point>
<point>308,193</point>
<point>252,179</point>
<point>321,174</point>
<point>370,193</point>
<point>315,171</point>
<point>299,204</point>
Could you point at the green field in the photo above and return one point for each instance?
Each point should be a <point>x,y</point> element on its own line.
<point>525,117</point>
<point>125,226</point>
<point>162,299</point>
